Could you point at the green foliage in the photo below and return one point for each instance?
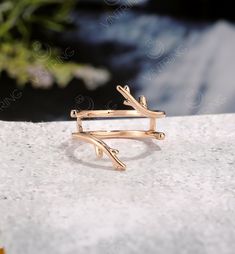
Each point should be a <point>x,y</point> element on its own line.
<point>18,17</point>
<point>38,66</point>
<point>24,59</point>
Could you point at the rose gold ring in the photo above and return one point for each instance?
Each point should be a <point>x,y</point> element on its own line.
<point>140,109</point>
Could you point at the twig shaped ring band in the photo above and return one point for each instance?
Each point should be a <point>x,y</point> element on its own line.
<point>140,109</point>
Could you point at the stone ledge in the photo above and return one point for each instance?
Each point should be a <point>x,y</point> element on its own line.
<point>177,195</point>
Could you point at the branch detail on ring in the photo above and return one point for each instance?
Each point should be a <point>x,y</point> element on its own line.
<point>140,109</point>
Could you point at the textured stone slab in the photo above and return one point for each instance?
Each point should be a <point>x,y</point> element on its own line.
<point>177,195</point>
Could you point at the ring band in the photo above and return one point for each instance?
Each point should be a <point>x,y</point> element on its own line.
<point>140,109</point>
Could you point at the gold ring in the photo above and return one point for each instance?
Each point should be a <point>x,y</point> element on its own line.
<point>140,109</point>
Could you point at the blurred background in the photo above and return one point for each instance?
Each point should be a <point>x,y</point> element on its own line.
<point>60,55</point>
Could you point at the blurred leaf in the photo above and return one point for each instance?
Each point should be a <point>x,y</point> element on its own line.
<point>25,65</point>
<point>27,61</point>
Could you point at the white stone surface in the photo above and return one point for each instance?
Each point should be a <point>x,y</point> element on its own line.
<point>177,195</point>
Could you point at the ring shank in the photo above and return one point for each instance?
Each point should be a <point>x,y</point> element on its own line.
<point>112,113</point>
<point>128,134</point>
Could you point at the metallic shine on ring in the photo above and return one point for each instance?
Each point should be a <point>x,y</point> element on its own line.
<point>140,109</point>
